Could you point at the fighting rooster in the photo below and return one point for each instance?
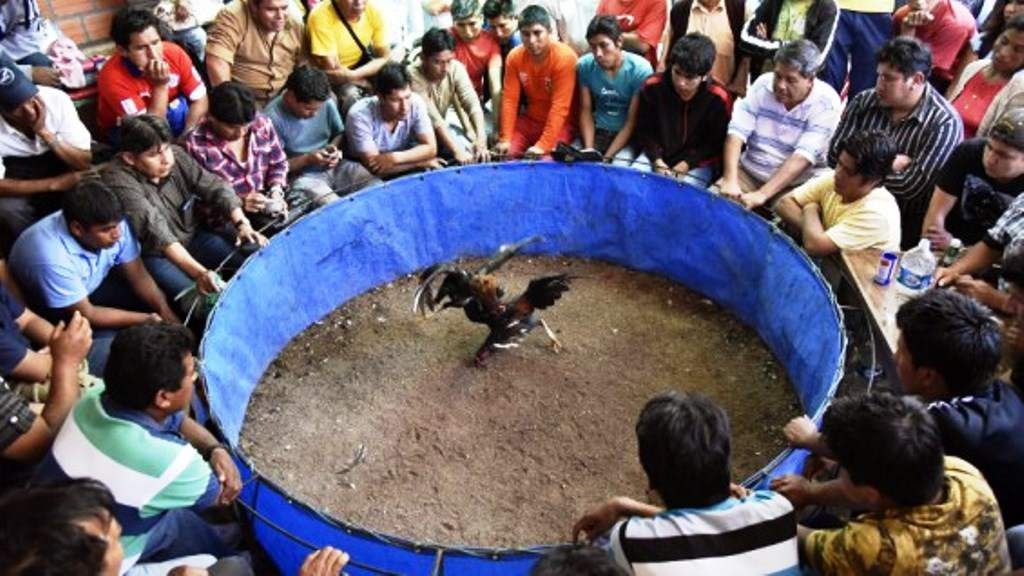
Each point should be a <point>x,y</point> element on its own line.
<point>482,300</point>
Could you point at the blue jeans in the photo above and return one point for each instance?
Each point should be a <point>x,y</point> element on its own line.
<point>193,40</point>
<point>181,532</point>
<point>209,249</point>
<point>858,36</point>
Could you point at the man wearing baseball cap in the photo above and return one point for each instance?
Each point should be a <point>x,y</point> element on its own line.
<point>43,145</point>
<point>1002,161</point>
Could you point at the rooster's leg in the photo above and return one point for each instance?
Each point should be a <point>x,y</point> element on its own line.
<point>556,344</point>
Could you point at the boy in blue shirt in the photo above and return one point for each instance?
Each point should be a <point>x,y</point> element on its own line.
<point>610,79</point>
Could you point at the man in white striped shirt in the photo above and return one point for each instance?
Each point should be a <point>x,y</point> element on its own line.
<point>779,132</point>
<point>710,526</point>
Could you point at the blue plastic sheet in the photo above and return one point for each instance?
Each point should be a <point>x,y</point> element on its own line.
<point>641,221</point>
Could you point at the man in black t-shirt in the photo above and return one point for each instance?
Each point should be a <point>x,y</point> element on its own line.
<point>977,184</point>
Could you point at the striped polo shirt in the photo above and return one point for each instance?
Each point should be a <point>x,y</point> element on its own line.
<point>773,134</point>
<point>755,535</point>
<point>147,465</point>
<point>928,136</point>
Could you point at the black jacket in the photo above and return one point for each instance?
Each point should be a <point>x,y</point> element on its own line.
<point>822,20</point>
<point>673,130</point>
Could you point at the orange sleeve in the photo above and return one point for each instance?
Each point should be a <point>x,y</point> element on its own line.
<point>563,78</point>
<point>652,25</point>
<point>510,93</point>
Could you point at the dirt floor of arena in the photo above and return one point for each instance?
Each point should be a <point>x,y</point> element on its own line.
<point>378,417</point>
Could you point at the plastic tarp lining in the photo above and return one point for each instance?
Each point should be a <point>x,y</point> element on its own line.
<point>641,221</point>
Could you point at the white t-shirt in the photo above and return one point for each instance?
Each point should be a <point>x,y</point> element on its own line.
<point>61,119</point>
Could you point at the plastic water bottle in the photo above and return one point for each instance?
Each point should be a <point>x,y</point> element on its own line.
<point>916,269</point>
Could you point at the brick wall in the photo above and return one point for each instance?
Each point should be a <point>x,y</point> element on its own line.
<point>87,22</point>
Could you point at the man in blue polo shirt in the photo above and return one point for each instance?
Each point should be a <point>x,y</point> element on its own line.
<point>133,435</point>
<point>64,264</point>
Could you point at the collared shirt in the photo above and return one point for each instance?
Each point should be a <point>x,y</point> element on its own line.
<point>57,270</point>
<point>928,136</point>
<point>162,214</point>
<point>715,25</point>
<point>124,91</point>
<point>265,166</point>
<point>328,36</point>
<point>1009,227</point>
<point>259,60</point>
<point>772,133</point>
<point>23,30</point>
<point>148,466</point>
<point>367,133</point>
<point>454,90</point>
<point>61,119</point>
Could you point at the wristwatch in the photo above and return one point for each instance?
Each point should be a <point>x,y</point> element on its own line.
<point>243,221</point>
<point>207,453</point>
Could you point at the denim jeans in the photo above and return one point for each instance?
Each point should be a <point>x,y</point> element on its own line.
<point>209,249</point>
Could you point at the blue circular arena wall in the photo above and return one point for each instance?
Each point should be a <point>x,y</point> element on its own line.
<point>641,221</point>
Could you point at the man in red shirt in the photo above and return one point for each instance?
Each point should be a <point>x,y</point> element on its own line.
<point>945,26</point>
<point>642,21</point>
<point>478,50</point>
<point>147,76</point>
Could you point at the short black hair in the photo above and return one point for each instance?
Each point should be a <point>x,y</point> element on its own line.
<point>684,447</point>
<point>130,21</point>
<point>309,84</point>
<point>604,25</point>
<point>873,152</point>
<point>142,132</point>
<point>534,14</point>
<point>392,76</point>
<point>145,359</point>
<point>496,8</point>
<point>693,54</point>
<point>463,9</point>
<point>1012,266</point>
<point>40,532</point>
<point>232,103</point>
<point>577,560</point>
<point>953,335</point>
<point>907,55</point>
<point>888,442</point>
<point>92,203</point>
<point>435,41</point>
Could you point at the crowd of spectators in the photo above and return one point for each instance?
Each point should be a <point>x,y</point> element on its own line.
<point>853,124</point>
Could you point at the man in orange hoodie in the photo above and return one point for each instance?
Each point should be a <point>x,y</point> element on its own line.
<point>544,70</point>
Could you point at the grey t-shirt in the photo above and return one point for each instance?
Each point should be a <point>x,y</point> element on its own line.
<point>367,133</point>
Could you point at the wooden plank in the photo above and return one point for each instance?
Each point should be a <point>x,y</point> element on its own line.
<point>881,302</point>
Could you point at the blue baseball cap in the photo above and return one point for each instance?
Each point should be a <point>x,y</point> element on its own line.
<point>15,87</point>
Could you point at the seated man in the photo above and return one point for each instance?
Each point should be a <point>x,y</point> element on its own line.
<point>1009,228</point>
<point>160,185</point>
<point>241,147</point>
<point>848,209</point>
<point>684,444</point>
<point>503,21</point>
<point>86,259</point>
<point>925,127</point>
<point>785,122</point>
<point>257,43</point>
<point>133,434</point>
<point>642,21</point>
<point>576,561</point>
<point>307,122</point>
<point>43,146</point>
<point>147,75</point>
<point>444,85</point>
<point>946,27</point>
<point>980,180</point>
<point>610,79</point>
<point>81,511</point>
<point>390,133</point>
<point>544,71</point>
<point>348,40</point>
<point>684,114</point>
<point>923,509</point>
<point>478,50</point>
<point>25,436</point>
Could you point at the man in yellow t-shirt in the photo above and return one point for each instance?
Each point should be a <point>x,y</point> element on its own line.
<point>848,209</point>
<point>338,53</point>
<point>926,513</point>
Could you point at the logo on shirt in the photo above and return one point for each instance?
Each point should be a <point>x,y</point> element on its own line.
<point>173,80</point>
<point>129,107</point>
<point>6,76</point>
